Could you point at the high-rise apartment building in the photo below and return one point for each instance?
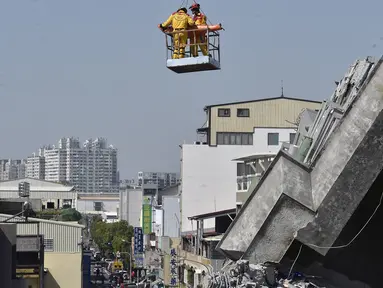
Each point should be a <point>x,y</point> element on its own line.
<point>162,179</point>
<point>35,167</point>
<point>91,167</point>
<point>12,169</point>
<point>101,166</point>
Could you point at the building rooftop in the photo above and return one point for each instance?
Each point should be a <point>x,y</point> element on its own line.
<point>262,99</point>
<point>254,157</point>
<point>22,219</point>
<point>35,185</point>
<point>98,196</point>
<point>213,214</point>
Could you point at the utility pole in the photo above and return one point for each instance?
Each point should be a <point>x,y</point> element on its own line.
<point>130,258</point>
<point>178,251</point>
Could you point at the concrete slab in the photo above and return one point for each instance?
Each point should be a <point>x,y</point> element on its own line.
<point>354,156</point>
<point>277,233</point>
<point>344,157</point>
<point>284,176</point>
<point>193,64</point>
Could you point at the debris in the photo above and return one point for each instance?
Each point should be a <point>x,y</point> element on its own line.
<point>241,274</point>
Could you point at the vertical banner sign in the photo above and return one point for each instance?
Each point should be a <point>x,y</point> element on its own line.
<point>173,267</point>
<point>138,240</point>
<point>147,218</point>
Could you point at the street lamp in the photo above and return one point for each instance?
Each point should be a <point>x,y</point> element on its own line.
<point>130,258</point>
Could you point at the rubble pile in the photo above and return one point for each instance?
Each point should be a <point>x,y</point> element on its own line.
<point>245,275</point>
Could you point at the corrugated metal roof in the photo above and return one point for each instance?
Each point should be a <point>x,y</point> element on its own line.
<point>65,236</point>
<point>263,99</point>
<point>20,219</point>
<point>36,185</point>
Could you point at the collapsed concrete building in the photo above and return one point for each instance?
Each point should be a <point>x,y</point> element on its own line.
<point>318,203</point>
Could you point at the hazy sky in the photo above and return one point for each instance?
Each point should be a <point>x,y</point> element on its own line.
<point>89,68</point>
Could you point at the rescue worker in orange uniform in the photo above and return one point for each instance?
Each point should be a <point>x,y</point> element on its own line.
<point>198,37</point>
<point>180,21</point>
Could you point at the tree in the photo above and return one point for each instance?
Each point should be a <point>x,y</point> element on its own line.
<point>111,237</point>
<point>70,214</point>
<point>48,214</point>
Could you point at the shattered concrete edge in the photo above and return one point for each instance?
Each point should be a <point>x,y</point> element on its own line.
<point>281,155</point>
<point>237,252</point>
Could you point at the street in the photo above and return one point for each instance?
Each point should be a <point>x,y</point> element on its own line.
<point>102,280</point>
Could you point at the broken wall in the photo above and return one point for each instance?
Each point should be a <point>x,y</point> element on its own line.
<point>345,143</point>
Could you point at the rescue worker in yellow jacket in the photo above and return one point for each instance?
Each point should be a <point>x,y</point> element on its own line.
<point>180,21</point>
<point>198,37</point>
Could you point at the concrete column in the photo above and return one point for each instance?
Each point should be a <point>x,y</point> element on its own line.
<point>201,235</point>
<point>197,239</point>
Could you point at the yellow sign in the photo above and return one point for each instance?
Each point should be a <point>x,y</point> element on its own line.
<point>118,265</point>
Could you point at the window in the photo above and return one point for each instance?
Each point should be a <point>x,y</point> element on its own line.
<point>48,244</point>
<point>234,138</point>
<point>243,112</point>
<point>273,139</point>
<point>240,169</point>
<point>223,112</point>
<point>97,206</point>
<point>292,137</point>
<point>244,169</point>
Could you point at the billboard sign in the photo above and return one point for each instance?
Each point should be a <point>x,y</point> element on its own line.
<point>147,218</point>
<point>139,260</point>
<point>138,240</point>
<point>173,268</point>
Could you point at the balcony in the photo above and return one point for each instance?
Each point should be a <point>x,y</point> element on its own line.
<point>250,170</point>
<point>244,182</point>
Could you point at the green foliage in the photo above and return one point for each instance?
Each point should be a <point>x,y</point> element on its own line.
<point>48,214</point>
<point>70,214</point>
<point>118,234</point>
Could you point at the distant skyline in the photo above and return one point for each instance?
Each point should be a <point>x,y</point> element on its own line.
<point>97,67</point>
<point>82,141</point>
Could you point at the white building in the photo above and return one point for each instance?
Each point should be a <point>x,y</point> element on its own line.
<point>211,173</point>
<point>158,221</point>
<point>12,169</point>
<point>110,217</point>
<point>171,215</point>
<point>35,167</point>
<point>91,167</point>
<point>53,195</point>
<point>98,203</point>
<point>233,130</point>
<point>162,179</point>
<point>131,200</point>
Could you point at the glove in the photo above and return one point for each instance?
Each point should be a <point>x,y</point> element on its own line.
<point>161,27</point>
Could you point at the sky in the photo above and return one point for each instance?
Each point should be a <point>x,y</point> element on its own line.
<point>97,68</point>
